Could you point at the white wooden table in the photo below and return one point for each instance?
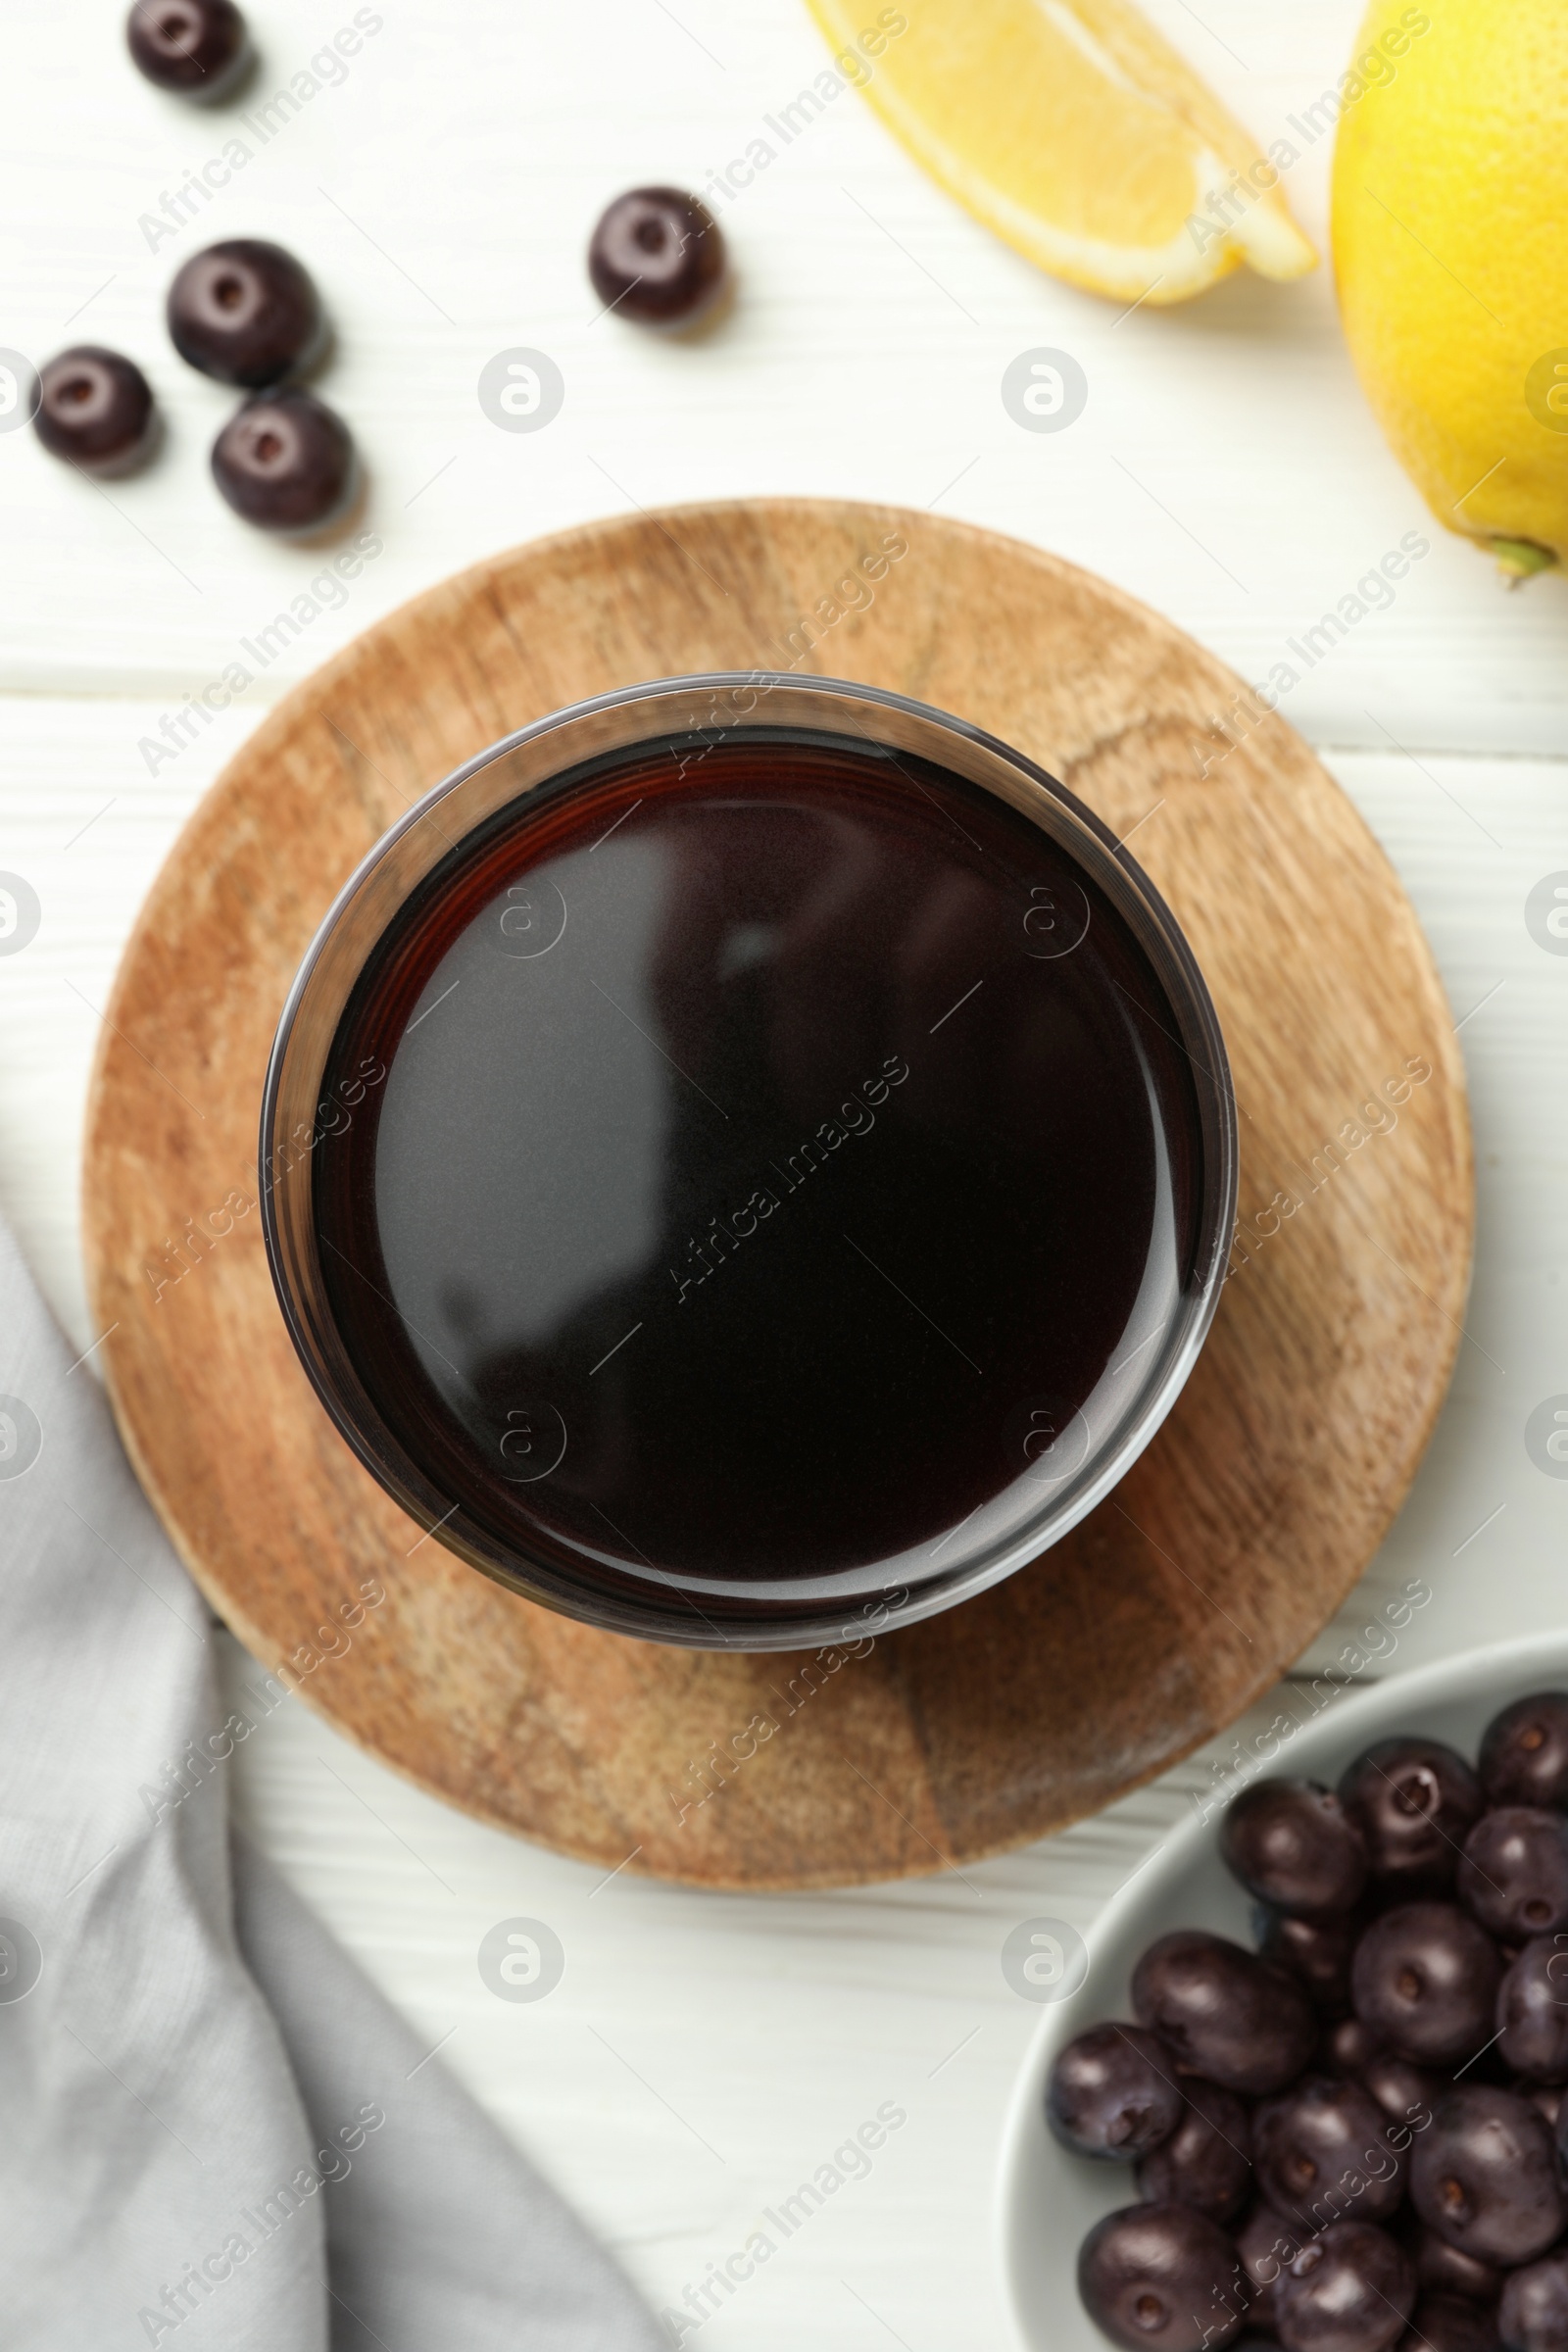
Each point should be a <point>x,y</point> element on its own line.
<point>706,2053</point>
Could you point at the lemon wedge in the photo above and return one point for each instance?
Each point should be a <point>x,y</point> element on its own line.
<point>1073,129</point>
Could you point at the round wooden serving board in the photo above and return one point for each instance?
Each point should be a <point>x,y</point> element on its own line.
<point>1180,1599</point>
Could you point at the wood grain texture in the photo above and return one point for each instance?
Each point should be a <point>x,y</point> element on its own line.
<point>1162,1616</point>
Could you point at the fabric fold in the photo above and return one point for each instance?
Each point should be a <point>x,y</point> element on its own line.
<point>216,2131</point>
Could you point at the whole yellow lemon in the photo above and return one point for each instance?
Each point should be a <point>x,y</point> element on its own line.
<point>1450,247</point>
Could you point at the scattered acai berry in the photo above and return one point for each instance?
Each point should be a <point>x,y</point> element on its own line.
<point>1207,2160</point>
<point>1425,1980</point>
<point>1113,2093</point>
<point>1515,1872</point>
<point>285,462</point>
<point>246,312</point>
<point>1413,1801</point>
<point>1524,1754</point>
<point>1160,2276</point>
<point>1349,2289</point>
<point>95,410</point>
<point>1291,1845</point>
<point>1485,2177</point>
<point>1533,2316</point>
<point>658,257</point>
<point>1227,2016</point>
<point>199,48</point>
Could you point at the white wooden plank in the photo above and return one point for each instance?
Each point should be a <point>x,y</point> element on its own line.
<point>703,2054</point>
<point>1472,839</point>
<point>87,827</point>
<point>768,2028</point>
<point>1226,469</point>
<point>1226,466</point>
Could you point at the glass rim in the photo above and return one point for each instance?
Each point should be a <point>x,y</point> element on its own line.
<point>368,902</point>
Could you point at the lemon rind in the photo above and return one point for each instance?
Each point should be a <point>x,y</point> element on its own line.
<point>1129,54</point>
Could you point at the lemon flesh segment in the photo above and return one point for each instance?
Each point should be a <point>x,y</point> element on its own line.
<point>1451,194</point>
<point>1073,129</point>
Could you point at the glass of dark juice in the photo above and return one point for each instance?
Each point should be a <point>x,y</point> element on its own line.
<point>749,1160</point>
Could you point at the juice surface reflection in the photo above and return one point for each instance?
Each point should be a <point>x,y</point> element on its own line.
<point>783,1145</point>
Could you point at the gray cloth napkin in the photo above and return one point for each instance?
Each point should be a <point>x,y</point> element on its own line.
<point>213,2129</point>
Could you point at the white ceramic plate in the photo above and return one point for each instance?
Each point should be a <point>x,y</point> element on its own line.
<point>1048,2200</point>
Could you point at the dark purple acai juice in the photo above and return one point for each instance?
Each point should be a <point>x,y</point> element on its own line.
<point>783,1141</point>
